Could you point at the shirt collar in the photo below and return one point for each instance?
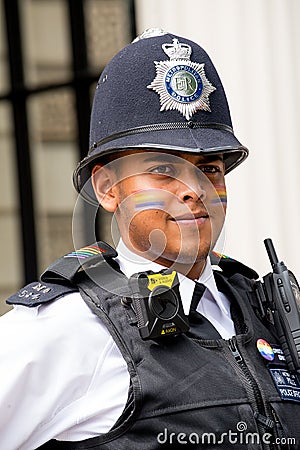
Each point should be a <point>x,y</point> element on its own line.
<point>131,263</point>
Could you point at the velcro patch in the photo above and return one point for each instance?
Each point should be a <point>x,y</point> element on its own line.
<point>37,293</point>
<point>287,384</point>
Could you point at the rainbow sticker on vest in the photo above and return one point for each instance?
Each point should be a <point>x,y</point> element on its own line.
<point>219,255</point>
<point>86,252</point>
<point>265,349</point>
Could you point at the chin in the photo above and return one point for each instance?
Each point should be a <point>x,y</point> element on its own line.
<point>188,255</point>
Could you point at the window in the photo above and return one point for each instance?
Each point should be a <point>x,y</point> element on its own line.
<point>51,55</point>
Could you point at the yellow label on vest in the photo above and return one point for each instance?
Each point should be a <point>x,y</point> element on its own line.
<point>157,279</point>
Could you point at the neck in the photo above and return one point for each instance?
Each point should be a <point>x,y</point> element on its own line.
<point>190,270</point>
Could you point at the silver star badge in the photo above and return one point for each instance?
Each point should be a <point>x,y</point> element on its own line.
<point>181,84</point>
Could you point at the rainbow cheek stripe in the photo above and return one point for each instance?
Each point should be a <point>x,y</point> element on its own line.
<point>221,194</point>
<point>148,200</point>
<point>265,349</point>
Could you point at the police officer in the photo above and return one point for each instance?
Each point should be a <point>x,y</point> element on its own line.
<point>159,344</point>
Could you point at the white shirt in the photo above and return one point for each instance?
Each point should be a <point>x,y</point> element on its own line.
<point>61,374</point>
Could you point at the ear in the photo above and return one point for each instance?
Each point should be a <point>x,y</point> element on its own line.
<point>104,188</point>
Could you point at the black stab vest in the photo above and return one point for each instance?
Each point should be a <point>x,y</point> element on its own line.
<point>188,391</point>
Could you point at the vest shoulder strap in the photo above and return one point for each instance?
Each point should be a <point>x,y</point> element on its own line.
<point>230,266</point>
<point>67,267</point>
<point>59,278</point>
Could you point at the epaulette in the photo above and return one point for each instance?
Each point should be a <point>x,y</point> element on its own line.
<point>230,266</point>
<point>57,280</point>
<point>37,293</point>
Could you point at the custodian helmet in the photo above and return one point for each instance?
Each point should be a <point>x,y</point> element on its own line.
<point>161,92</point>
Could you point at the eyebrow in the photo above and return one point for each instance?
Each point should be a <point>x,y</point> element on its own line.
<point>166,157</point>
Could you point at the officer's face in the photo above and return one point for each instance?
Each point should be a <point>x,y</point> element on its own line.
<point>169,207</point>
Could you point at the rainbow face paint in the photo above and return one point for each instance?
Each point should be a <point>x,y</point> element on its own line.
<point>149,199</point>
<point>221,194</point>
<point>265,349</point>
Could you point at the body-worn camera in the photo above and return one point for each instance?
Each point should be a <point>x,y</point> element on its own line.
<point>157,303</point>
<point>279,295</point>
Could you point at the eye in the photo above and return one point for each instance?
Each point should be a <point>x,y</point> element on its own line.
<point>163,169</point>
<point>210,169</point>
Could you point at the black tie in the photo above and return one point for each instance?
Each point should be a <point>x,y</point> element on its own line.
<point>197,295</point>
<point>199,325</point>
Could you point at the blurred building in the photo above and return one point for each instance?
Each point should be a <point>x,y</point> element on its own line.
<point>51,55</point>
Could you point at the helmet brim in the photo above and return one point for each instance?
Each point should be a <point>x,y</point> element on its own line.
<point>203,141</point>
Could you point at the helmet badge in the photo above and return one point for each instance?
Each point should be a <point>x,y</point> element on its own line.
<point>181,84</point>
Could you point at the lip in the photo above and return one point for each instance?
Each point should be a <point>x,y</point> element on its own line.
<point>191,219</point>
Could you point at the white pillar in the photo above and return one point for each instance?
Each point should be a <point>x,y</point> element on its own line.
<point>255,47</point>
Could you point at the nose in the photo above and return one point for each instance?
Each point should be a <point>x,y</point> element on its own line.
<point>192,187</point>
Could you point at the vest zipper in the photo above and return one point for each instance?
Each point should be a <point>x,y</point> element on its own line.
<point>279,430</point>
<point>263,422</point>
